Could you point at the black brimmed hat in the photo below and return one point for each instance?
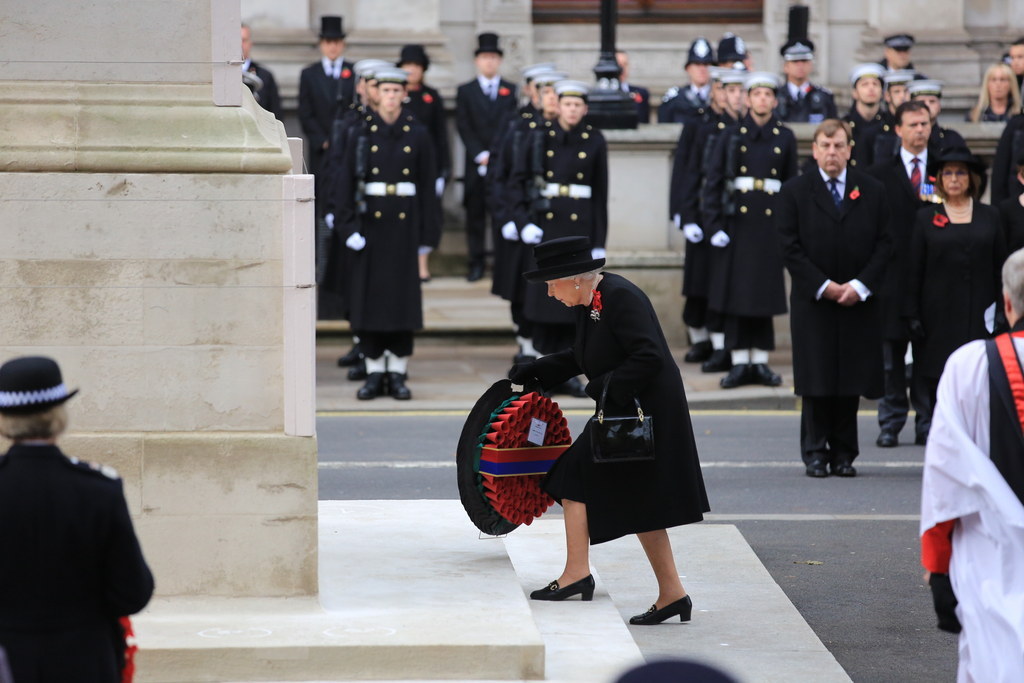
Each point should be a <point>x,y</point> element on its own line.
<point>951,154</point>
<point>488,42</point>
<point>330,28</point>
<point>899,41</point>
<point>562,257</point>
<point>31,384</point>
<point>414,54</point>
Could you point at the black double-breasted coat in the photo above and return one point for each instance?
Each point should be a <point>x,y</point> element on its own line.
<point>321,97</point>
<point>955,274</point>
<point>747,278</point>
<point>385,293</point>
<point>837,350</point>
<point>627,348</point>
<point>70,566</point>
<point>578,156</point>
<point>866,133</point>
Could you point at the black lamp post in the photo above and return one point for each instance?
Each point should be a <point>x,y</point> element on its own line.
<point>610,106</point>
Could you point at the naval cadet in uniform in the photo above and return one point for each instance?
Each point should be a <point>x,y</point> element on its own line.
<point>752,159</point>
<point>801,101</point>
<point>562,176</point>
<point>388,214</point>
<point>866,119</point>
<point>687,103</point>
<point>896,83</point>
<point>929,91</point>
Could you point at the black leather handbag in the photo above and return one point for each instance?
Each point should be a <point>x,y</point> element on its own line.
<point>621,439</point>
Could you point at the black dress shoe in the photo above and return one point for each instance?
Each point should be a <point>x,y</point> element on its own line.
<point>476,271</point>
<point>921,440</point>
<point>738,376</point>
<point>354,355</point>
<point>844,469</point>
<point>396,387</point>
<point>762,374</point>
<point>682,607</point>
<point>816,469</point>
<point>720,361</point>
<point>887,439</point>
<point>373,388</point>
<point>699,352</point>
<point>357,372</point>
<point>584,588</point>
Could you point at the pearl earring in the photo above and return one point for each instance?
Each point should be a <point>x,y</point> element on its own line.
<point>577,285</point>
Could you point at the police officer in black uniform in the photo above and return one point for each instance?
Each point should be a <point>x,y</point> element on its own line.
<point>388,214</point>
<point>563,177</point>
<point>752,159</point>
<point>897,52</point>
<point>70,563</point>
<point>687,103</point>
<point>732,53</point>
<point>867,120</point>
<point>929,91</point>
<point>801,101</point>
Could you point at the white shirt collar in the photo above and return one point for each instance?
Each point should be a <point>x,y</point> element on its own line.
<point>488,82</point>
<point>329,65</point>
<point>246,64</point>
<point>908,159</point>
<point>840,180</point>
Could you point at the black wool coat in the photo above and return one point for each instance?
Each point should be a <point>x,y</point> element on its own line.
<point>837,350</point>
<point>320,99</point>
<point>479,120</point>
<point>267,96</point>
<point>865,135</point>
<point>955,274</point>
<point>384,289</point>
<point>427,106</point>
<point>627,347</point>
<point>1012,215</point>
<point>70,566</point>
<point>1004,166</point>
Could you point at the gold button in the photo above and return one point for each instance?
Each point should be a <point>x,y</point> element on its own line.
<point>743,169</point>
<point>406,128</point>
<point>549,215</point>
<point>852,143</point>
<point>405,171</point>
<point>551,174</point>
<point>573,216</point>
<point>886,127</point>
<point>853,124</point>
<point>376,171</point>
<point>743,148</point>
<point>743,129</point>
<point>551,133</point>
<point>533,124</point>
<point>374,148</point>
<point>373,128</point>
<point>401,215</point>
<point>853,162</point>
<point>579,176</point>
<point>583,155</point>
<point>407,149</point>
<point>551,152</point>
<point>376,214</point>
<point>767,212</point>
<point>775,131</point>
<point>721,125</point>
<point>585,136</point>
<point>775,172</point>
<point>778,151</point>
<point>590,127</point>
<point>743,209</point>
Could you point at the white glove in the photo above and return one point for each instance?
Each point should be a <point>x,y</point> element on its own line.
<point>719,239</point>
<point>439,186</point>
<point>509,232</point>
<point>598,252</point>
<point>329,220</point>
<point>676,221</point>
<point>355,242</point>
<point>531,234</point>
<point>693,232</point>
<point>482,158</point>
<point>481,170</point>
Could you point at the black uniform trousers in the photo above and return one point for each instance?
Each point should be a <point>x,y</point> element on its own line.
<point>742,332</point>
<point>894,406</point>
<point>476,215</point>
<point>374,344</point>
<point>828,429</point>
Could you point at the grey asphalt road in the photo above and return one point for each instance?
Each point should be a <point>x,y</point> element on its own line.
<point>845,551</point>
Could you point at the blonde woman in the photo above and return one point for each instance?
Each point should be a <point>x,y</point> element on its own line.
<point>999,98</point>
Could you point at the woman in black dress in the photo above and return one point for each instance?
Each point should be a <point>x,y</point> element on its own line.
<point>1011,210</point>
<point>957,253</point>
<point>619,342</point>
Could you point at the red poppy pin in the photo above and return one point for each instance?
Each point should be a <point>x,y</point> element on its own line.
<point>595,306</point>
<point>428,98</point>
<point>347,73</point>
<point>637,97</point>
<point>855,194</point>
<point>931,179</point>
<point>504,92</point>
<point>940,220</point>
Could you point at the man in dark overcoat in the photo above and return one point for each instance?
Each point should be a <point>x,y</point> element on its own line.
<point>907,189</point>
<point>70,563</point>
<point>482,106</point>
<point>751,160</point>
<point>566,160</point>
<point>686,103</point>
<point>325,87</point>
<point>1005,183</point>
<point>266,95</point>
<point>640,95</point>
<point>835,243</point>
<point>389,217</point>
<point>871,127</point>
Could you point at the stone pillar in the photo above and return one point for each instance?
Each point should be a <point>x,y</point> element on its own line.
<point>156,244</point>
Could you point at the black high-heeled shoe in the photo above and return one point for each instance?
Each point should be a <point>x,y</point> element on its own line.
<point>682,607</point>
<point>584,588</point>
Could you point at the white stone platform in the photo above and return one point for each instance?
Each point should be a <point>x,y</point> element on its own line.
<point>410,591</point>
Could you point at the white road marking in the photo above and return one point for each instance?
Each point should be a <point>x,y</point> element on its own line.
<point>724,464</point>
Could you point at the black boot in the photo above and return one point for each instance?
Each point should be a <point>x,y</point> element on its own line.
<point>738,376</point>
<point>354,355</point>
<point>373,388</point>
<point>699,352</point>
<point>762,374</point>
<point>358,371</point>
<point>720,361</point>
<point>397,388</point>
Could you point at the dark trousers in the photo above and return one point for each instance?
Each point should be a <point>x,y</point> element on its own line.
<point>695,311</point>
<point>374,344</point>
<point>476,216</point>
<point>894,406</point>
<point>742,332</point>
<point>524,326</point>
<point>551,338</point>
<point>828,429</point>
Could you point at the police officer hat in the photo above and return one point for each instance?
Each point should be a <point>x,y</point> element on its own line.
<point>799,50</point>
<point>899,41</point>
<point>391,74</point>
<point>367,68</point>
<point>414,54</point>
<point>31,384</point>
<point>568,88</point>
<point>731,48</point>
<point>330,28</point>
<point>761,79</point>
<point>562,257</point>
<point>700,53</point>
<point>867,70</point>
<point>927,86</point>
<point>488,42</point>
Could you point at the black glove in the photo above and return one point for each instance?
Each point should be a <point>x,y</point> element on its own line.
<point>596,386</point>
<point>945,602</point>
<point>915,329</point>
<point>523,373</point>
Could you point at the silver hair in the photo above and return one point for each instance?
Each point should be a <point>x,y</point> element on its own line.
<point>47,424</point>
<point>1013,280</point>
<point>590,275</point>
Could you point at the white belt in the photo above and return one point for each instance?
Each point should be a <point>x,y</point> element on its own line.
<point>390,189</point>
<point>572,191</point>
<point>746,184</point>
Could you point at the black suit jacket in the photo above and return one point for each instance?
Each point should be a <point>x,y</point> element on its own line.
<point>267,96</point>
<point>479,118</point>
<point>642,97</point>
<point>70,566</point>
<point>837,350</point>
<point>320,99</point>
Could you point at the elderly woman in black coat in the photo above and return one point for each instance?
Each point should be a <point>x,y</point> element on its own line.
<point>619,344</point>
